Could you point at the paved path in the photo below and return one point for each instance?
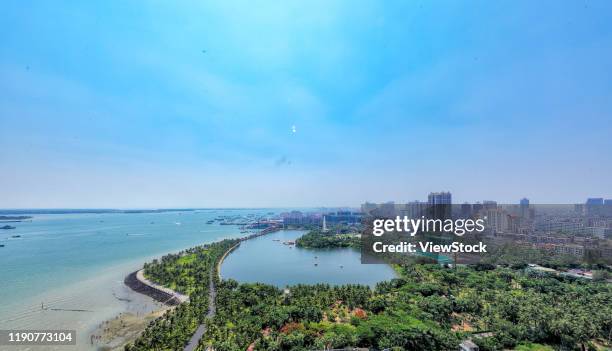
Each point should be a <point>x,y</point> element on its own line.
<point>173,294</point>
<point>212,309</point>
<point>223,258</point>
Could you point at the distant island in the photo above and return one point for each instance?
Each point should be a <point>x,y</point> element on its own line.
<point>14,218</point>
<point>13,213</point>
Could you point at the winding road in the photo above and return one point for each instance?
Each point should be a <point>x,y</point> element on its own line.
<point>212,309</point>
<point>193,343</point>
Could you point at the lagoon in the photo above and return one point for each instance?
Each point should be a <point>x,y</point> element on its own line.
<point>268,261</point>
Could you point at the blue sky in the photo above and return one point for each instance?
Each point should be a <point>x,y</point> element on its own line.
<point>172,104</point>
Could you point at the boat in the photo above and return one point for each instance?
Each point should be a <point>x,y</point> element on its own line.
<point>275,239</point>
<point>316,264</point>
<point>341,266</point>
<point>1,245</point>
<point>210,222</point>
<point>7,227</point>
<point>16,236</point>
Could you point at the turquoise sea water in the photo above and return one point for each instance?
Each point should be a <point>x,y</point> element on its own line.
<point>79,261</point>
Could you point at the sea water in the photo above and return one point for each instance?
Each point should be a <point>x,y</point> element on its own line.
<point>66,271</point>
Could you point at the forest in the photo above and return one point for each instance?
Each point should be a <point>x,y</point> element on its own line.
<point>187,272</point>
<point>318,240</point>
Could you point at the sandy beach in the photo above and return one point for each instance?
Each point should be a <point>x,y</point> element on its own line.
<point>114,334</point>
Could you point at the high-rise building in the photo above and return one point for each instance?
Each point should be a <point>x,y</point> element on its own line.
<point>477,208</point>
<point>415,209</point>
<point>579,209</point>
<point>387,210</point>
<point>440,205</point>
<point>368,207</point>
<point>441,198</point>
<point>524,207</point>
<point>497,219</point>
<point>489,204</point>
<point>595,201</point>
<point>466,210</point>
<point>343,217</point>
<point>594,206</point>
<point>607,207</point>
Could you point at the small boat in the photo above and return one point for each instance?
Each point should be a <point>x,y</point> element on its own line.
<point>210,222</point>
<point>316,257</point>
<point>316,264</point>
<point>341,266</point>
<point>16,236</point>
<point>275,239</point>
<point>1,245</point>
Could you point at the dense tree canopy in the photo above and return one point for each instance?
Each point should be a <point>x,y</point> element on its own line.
<point>428,307</point>
<point>318,240</point>
<point>186,272</point>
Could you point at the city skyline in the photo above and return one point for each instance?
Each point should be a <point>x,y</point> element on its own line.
<point>433,198</point>
<point>141,105</point>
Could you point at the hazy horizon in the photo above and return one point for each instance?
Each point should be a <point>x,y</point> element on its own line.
<point>303,104</point>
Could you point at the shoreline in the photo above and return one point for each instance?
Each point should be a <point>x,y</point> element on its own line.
<point>137,282</point>
<point>124,328</point>
<point>106,255</point>
<point>230,250</point>
<point>240,240</point>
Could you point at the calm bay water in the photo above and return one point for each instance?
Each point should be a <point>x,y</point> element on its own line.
<point>268,261</point>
